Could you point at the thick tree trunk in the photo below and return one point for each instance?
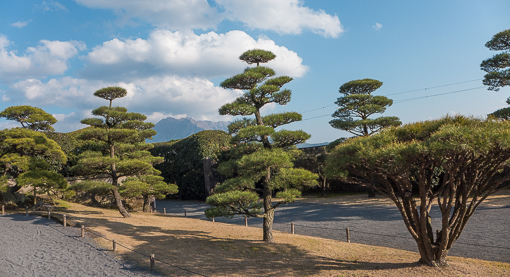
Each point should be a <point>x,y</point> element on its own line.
<point>146,204</point>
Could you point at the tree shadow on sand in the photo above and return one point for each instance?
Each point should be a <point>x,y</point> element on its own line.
<point>194,253</point>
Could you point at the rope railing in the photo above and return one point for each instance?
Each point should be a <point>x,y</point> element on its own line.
<point>348,232</point>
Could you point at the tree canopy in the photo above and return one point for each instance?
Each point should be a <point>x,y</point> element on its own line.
<point>30,117</point>
<point>498,68</point>
<point>358,102</point>
<point>497,76</point>
<point>456,162</point>
<point>122,137</point>
<point>261,161</point>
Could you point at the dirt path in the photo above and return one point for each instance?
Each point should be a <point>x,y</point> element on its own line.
<point>35,246</point>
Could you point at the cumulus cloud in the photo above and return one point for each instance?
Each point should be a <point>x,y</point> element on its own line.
<point>47,58</point>
<point>185,53</point>
<point>156,97</point>
<point>282,16</point>
<point>20,24</point>
<point>170,14</point>
<point>377,26</point>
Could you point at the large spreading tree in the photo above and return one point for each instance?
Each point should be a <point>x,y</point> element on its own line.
<point>261,162</point>
<point>124,151</point>
<point>453,163</point>
<point>356,106</point>
<point>498,68</point>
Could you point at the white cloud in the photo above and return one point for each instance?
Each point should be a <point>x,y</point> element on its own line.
<point>70,122</point>
<point>48,58</point>
<point>186,54</point>
<point>377,26</point>
<point>52,6</point>
<point>20,24</point>
<point>170,14</point>
<point>282,16</point>
<point>157,97</point>
<point>9,124</point>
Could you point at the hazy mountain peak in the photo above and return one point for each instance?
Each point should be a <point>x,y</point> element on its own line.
<point>172,128</point>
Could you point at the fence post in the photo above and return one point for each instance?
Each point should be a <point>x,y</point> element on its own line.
<point>164,210</point>
<point>213,219</point>
<point>152,262</point>
<point>26,211</point>
<point>3,209</point>
<point>184,213</point>
<point>65,220</point>
<point>292,228</point>
<point>114,245</point>
<point>83,231</point>
<point>49,213</point>
<point>246,221</point>
<point>348,235</point>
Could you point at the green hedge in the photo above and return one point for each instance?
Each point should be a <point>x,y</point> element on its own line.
<point>183,163</point>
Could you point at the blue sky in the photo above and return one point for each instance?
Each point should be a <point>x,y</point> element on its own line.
<point>172,55</point>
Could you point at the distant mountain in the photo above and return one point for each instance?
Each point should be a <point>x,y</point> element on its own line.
<point>171,128</point>
<point>309,145</point>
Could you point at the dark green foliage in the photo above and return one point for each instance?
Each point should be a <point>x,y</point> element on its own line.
<point>497,76</point>
<point>257,56</point>
<point>73,147</point>
<point>183,160</point>
<point>30,117</point>
<point>121,136</point>
<point>455,162</point>
<point>147,186</point>
<point>358,102</point>
<point>498,68</point>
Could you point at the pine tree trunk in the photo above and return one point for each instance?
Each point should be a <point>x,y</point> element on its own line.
<point>118,202</point>
<point>146,204</point>
<point>115,183</point>
<point>267,226</point>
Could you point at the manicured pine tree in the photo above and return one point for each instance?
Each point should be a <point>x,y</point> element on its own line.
<point>147,186</point>
<point>358,102</point>
<point>497,76</point>
<point>124,152</point>
<point>30,117</point>
<point>23,150</point>
<point>261,162</point>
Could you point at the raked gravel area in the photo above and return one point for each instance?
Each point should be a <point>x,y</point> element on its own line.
<point>486,236</point>
<point>36,246</point>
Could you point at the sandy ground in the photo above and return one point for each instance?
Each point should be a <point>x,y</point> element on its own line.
<point>193,247</point>
<point>376,221</point>
<point>35,246</point>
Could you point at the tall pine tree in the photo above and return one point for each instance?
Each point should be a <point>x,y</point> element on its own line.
<point>261,162</point>
<point>124,151</point>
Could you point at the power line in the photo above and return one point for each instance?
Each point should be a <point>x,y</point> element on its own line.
<point>412,99</point>
<point>433,87</point>
<point>434,95</point>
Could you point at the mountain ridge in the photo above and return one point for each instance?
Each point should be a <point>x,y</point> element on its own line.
<point>172,128</point>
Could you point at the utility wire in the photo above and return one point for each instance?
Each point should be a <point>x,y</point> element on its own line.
<point>433,87</point>
<point>408,99</point>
